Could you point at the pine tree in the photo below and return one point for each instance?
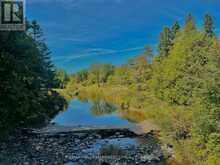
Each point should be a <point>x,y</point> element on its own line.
<point>165,42</point>
<point>209,25</point>
<point>190,23</point>
<point>36,32</point>
<point>24,75</point>
<point>49,72</point>
<point>174,29</point>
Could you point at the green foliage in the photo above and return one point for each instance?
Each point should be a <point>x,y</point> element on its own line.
<point>82,76</point>
<point>121,76</point>
<point>214,143</point>
<point>185,70</point>
<point>96,74</point>
<point>165,42</point>
<point>139,67</point>
<point>26,78</point>
<point>209,25</point>
<point>190,24</point>
<point>62,78</point>
<point>47,70</point>
<point>189,77</point>
<point>174,30</point>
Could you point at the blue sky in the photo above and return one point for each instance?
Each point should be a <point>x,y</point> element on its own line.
<point>82,32</point>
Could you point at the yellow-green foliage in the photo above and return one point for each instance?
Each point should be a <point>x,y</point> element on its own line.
<point>189,77</point>
<point>176,78</point>
<point>179,90</point>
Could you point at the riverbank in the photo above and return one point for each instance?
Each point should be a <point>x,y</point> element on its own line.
<point>81,146</point>
<point>142,105</point>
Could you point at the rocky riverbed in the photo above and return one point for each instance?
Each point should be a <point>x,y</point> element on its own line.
<point>80,147</point>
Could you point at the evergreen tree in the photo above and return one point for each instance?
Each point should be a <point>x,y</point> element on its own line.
<point>49,72</point>
<point>174,29</point>
<point>36,32</point>
<point>190,23</point>
<point>23,96</point>
<point>165,42</point>
<point>209,25</point>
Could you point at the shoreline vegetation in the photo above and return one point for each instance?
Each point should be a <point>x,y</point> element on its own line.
<point>178,88</point>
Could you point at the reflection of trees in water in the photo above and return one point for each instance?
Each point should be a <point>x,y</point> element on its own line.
<point>101,107</point>
<point>133,116</point>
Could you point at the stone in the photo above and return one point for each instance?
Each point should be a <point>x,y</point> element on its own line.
<point>77,141</point>
<point>63,147</point>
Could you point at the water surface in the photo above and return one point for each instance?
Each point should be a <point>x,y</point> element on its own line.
<point>87,113</point>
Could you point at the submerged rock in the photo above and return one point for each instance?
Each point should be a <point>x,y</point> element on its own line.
<point>80,147</point>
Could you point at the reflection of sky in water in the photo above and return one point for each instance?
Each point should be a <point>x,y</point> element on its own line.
<point>79,113</point>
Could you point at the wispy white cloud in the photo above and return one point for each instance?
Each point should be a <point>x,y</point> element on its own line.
<point>76,40</point>
<point>96,52</point>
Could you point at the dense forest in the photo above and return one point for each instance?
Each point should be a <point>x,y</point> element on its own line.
<point>178,87</point>
<point>27,79</point>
